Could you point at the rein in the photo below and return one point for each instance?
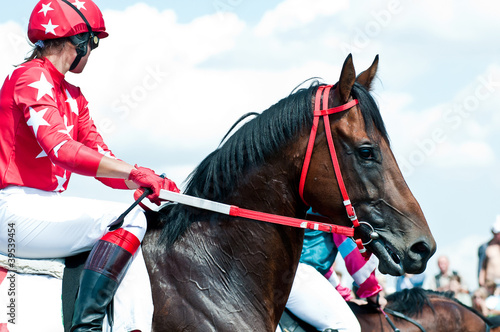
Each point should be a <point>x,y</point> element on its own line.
<point>400,315</point>
<point>235,211</point>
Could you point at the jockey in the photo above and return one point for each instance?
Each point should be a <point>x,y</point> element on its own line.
<point>317,297</point>
<point>46,134</point>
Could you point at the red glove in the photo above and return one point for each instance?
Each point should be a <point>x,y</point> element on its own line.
<point>147,178</point>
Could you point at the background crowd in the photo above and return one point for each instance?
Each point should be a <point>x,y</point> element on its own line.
<point>483,296</point>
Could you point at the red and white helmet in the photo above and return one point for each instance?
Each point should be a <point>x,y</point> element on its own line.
<point>62,18</point>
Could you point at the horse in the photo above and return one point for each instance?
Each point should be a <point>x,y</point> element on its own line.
<point>419,310</point>
<point>213,272</point>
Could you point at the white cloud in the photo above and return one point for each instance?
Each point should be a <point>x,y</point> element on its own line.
<point>468,154</point>
<point>293,14</point>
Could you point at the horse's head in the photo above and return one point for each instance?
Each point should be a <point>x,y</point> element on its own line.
<point>373,180</point>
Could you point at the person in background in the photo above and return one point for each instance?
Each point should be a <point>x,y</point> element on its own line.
<point>408,281</point>
<point>448,280</point>
<point>492,301</point>
<point>489,257</point>
<point>459,291</point>
<point>443,278</point>
<point>479,301</point>
<point>478,298</point>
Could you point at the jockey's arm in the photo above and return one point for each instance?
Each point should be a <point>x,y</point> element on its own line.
<point>115,168</point>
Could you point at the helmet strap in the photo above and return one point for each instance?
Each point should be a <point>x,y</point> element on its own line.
<point>81,45</point>
<point>80,42</point>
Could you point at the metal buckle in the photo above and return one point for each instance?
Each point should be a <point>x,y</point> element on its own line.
<point>372,231</point>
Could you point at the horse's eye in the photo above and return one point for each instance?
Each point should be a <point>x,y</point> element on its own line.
<point>366,153</point>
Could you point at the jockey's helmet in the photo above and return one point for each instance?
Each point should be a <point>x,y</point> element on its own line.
<point>61,18</point>
<point>80,21</point>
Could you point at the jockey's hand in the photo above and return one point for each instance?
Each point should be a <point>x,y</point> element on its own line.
<point>377,300</point>
<point>147,178</point>
<point>344,291</point>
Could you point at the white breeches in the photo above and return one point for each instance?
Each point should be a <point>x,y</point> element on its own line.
<point>316,301</point>
<point>48,225</point>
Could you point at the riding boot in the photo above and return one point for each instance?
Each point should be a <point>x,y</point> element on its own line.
<point>103,271</point>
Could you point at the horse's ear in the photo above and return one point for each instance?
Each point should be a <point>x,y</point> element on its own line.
<point>347,79</point>
<point>366,77</point>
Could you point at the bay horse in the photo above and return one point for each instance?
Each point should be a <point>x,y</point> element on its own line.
<point>212,272</point>
<point>433,311</point>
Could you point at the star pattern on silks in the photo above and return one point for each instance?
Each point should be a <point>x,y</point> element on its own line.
<point>58,147</point>
<point>49,27</point>
<point>41,154</point>
<point>104,152</point>
<point>78,4</point>
<point>12,72</point>
<point>72,103</point>
<point>43,86</point>
<point>36,119</point>
<point>68,128</point>
<point>45,9</point>
<point>61,180</point>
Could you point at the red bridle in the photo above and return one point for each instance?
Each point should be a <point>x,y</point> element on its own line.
<point>321,110</point>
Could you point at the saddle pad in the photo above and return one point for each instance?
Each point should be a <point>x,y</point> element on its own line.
<point>52,267</point>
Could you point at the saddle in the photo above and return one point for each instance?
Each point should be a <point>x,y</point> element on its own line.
<point>52,267</point>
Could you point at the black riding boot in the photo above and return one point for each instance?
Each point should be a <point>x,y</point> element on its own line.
<point>104,270</point>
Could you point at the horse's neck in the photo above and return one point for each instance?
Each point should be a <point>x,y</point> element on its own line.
<point>276,249</point>
<point>238,262</point>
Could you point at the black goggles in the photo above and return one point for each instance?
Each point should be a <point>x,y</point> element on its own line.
<point>82,39</point>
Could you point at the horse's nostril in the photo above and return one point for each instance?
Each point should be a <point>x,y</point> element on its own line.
<point>421,248</point>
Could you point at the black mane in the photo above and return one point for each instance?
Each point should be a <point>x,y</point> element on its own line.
<point>258,139</point>
<point>411,302</point>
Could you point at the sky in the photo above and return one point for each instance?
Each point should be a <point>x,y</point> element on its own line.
<point>173,76</point>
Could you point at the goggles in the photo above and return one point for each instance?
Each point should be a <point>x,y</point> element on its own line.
<point>82,39</point>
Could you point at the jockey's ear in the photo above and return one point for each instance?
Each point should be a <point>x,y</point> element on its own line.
<point>366,77</point>
<point>346,81</point>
